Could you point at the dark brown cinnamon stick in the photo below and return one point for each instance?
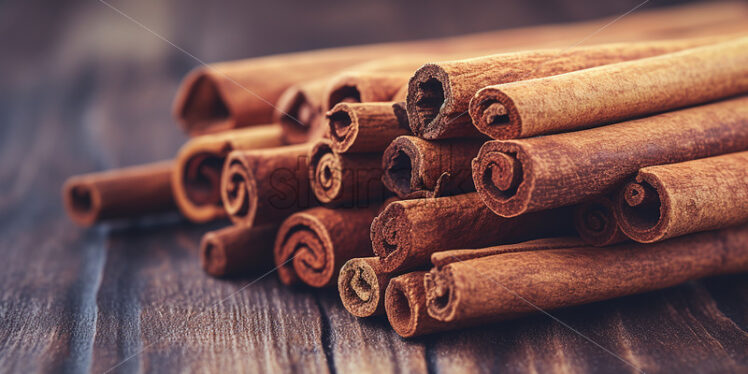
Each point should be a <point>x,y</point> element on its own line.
<point>117,194</point>
<point>237,250</point>
<point>313,245</point>
<point>610,93</point>
<point>439,94</point>
<point>510,285</point>
<point>596,222</point>
<point>407,232</point>
<point>414,167</point>
<point>405,304</point>
<point>677,199</point>
<point>267,185</point>
<point>362,283</point>
<point>197,174</point>
<point>365,127</point>
<point>345,178</point>
<point>299,111</point>
<point>442,258</point>
<point>527,175</point>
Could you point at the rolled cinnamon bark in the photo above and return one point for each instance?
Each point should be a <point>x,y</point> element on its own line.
<point>596,222</point>
<point>118,194</point>
<point>414,167</point>
<point>370,86</point>
<point>527,175</point>
<point>313,245</point>
<point>439,94</point>
<point>442,258</point>
<point>365,127</point>
<point>610,93</point>
<point>405,304</point>
<point>267,185</point>
<point>407,232</point>
<point>237,250</point>
<point>196,181</point>
<point>345,178</point>
<point>362,283</point>
<point>677,199</point>
<point>510,285</point>
<point>299,112</point>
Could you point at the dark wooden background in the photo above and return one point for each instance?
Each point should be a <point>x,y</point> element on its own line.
<point>85,89</point>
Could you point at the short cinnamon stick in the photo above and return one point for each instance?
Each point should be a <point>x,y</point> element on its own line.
<point>370,86</point>
<point>267,185</point>
<point>344,178</point>
<point>119,194</point>
<point>407,232</point>
<point>197,174</point>
<point>405,304</point>
<point>414,167</point>
<point>526,175</point>
<point>442,258</point>
<point>362,283</point>
<point>510,285</point>
<point>677,199</point>
<point>299,112</point>
<point>365,127</point>
<point>237,250</point>
<point>596,222</point>
<point>614,92</point>
<point>313,245</point>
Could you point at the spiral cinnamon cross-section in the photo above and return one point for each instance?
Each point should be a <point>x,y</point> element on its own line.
<point>299,111</point>
<point>364,127</point>
<point>361,285</point>
<point>405,304</point>
<point>239,189</point>
<point>339,178</point>
<point>596,222</point>
<point>365,86</point>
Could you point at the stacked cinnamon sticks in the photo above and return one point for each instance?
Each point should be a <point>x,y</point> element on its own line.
<point>518,175</point>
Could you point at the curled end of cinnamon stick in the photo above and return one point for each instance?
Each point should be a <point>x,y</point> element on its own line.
<point>390,236</point>
<point>239,189</point>
<point>501,177</point>
<point>405,305</point>
<point>361,285</point>
<point>440,298</point>
<point>344,89</point>
<point>237,250</point>
<point>197,183</point>
<point>343,126</point>
<point>401,163</point>
<point>428,97</point>
<point>299,114</point>
<point>495,114</point>
<point>641,211</point>
<point>304,251</point>
<point>82,201</point>
<point>596,222</point>
<point>213,255</point>
<point>199,105</point>
<point>325,172</point>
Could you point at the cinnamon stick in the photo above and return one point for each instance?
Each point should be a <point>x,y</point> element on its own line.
<point>405,304</point>
<point>299,111</point>
<point>361,285</point>
<point>442,258</point>
<point>439,94</point>
<point>313,245</point>
<point>614,92</point>
<point>510,285</point>
<point>527,175</point>
<point>118,194</point>
<point>266,185</point>
<point>371,86</point>
<point>365,127</point>
<point>237,250</point>
<point>414,167</point>
<point>677,199</point>
<point>596,222</point>
<point>196,180</point>
<point>407,232</point>
<point>344,178</point>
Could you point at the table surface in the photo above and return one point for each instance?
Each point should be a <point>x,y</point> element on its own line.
<point>85,89</point>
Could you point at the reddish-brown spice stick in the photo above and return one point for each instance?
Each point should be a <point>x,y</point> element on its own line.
<point>677,199</point>
<point>596,222</point>
<point>527,175</point>
<point>405,304</point>
<point>414,167</point>
<point>299,111</point>
<point>117,194</point>
<point>510,285</point>
<point>313,245</point>
<point>361,284</point>
<point>237,250</point>
<point>442,258</point>
<point>266,185</point>
<point>197,173</point>
<point>365,127</point>
<point>407,232</point>
<point>371,86</point>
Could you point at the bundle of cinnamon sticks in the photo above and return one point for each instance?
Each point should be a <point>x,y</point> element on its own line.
<point>468,180</point>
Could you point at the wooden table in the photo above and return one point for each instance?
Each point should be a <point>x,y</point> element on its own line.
<point>85,89</point>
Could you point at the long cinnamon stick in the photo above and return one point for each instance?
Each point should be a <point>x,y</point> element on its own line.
<point>371,86</point>
<point>610,93</point>
<point>266,185</point>
<point>510,285</point>
<point>313,245</point>
<point>197,174</point>
<point>526,175</point>
<point>672,200</point>
<point>365,127</point>
<point>405,304</point>
<point>299,111</point>
<point>596,222</point>
<point>344,178</point>
<point>442,258</point>
<point>361,284</point>
<point>439,94</point>
<point>237,250</point>
<point>414,167</point>
<point>407,232</point>
<point>117,194</point>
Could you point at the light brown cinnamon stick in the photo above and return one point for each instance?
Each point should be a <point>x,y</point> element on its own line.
<point>299,111</point>
<point>374,85</point>
<point>442,258</point>
<point>118,194</point>
<point>407,232</point>
<point>614,92</point>
<point>237,250</point>
<point>677,199</point>
<point>527,175</point>
<point>405,304</point>
<point>510,285</point>
<point>345,178</point>
<point>365,127</point>
<point>267,185</point>
<point>313,245</point>
<point>414,167</point>
<point>361,284</point>
<point>197,174</point>
<point>596,222</point>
